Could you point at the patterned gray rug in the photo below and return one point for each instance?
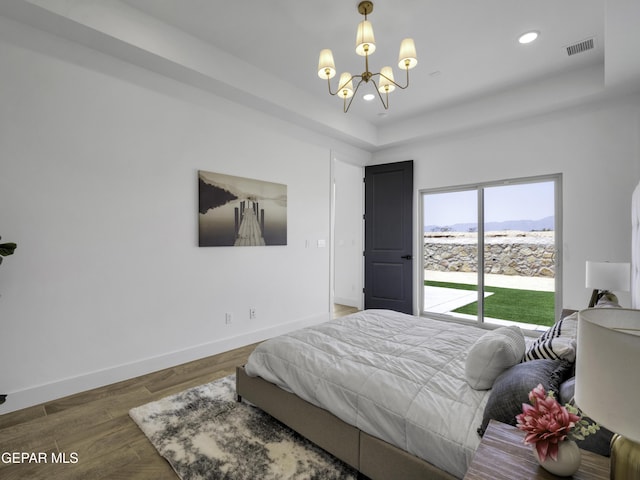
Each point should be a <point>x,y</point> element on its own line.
<point>205,434</point>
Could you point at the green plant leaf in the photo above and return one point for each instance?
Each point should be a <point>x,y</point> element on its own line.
<point>7,248</point>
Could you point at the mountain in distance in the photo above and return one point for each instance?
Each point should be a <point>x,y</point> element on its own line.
<point>211,196</point>
<point>547,223</point>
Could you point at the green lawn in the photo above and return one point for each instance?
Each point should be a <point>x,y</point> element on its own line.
<point>526,306</point>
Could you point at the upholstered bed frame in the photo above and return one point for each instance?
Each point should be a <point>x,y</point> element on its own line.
<point>369,455</point>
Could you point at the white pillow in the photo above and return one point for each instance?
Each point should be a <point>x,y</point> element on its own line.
<point>492,354</point>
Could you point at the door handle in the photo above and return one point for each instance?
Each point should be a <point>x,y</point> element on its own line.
<point>407,257</point>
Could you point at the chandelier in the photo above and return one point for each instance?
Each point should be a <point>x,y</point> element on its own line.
<point>365,45</point>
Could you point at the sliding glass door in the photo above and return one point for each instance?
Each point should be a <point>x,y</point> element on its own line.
<point>514,226</point>
<point>450,251</point>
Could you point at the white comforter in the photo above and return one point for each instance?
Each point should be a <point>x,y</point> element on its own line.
<point>397,377</point>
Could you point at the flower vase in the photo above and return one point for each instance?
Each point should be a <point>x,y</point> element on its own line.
<point>568,461</point>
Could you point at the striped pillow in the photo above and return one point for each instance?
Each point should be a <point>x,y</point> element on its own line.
<point>559,342</point>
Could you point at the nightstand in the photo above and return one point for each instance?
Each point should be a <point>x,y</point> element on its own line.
<point>502,455</point>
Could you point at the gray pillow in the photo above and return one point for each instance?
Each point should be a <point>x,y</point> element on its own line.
<point>492,354</point>
<point>511,389</point>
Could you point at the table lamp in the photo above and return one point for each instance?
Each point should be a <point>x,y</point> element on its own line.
<point>606,277</point>
<point>607,382</point>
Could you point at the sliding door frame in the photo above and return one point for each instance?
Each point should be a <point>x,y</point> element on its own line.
<point>480,187</point>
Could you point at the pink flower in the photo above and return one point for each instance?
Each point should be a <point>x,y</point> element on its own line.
<point>545,422</point>
<point>537,393</point>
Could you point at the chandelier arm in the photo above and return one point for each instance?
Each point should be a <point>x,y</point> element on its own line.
<point>392,81</point>
<point>329,85</point>
<point>346,107</point>
<point>384,104</point>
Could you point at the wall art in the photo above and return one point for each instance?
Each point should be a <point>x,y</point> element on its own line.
<point>238,211</point>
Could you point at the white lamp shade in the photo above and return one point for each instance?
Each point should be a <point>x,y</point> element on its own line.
<point>364,37</point>
<point>615,277</point>
<point>326,66</point>
<point>345,85</point>
<point>608,355</point>
<point>386,80</point>
<point>407,54</point>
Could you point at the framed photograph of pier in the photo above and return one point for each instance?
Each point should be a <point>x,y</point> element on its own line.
<point>238,211</point>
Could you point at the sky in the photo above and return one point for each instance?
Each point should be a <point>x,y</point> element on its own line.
<point>527,201</point>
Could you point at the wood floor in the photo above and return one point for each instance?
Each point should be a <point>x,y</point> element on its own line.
<point>92,431</point>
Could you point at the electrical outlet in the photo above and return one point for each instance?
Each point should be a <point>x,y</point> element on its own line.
<point>228,318</point>
<point>252,313</point>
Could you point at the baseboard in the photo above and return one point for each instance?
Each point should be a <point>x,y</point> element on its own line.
<point>69,386</point>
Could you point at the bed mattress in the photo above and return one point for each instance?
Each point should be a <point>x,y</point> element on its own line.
<point>394,376</point>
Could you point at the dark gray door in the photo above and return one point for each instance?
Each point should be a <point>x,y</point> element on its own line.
<point>388,265</point>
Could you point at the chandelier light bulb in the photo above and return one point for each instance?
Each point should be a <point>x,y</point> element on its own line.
<point>326,65</point>
<point>386,80</point>
<point>407,57</point>
<point>346,85</point>
<point>365,41</point>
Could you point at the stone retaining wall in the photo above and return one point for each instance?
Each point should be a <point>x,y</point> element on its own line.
<point>530,254</point>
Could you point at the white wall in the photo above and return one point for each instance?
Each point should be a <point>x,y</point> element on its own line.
<point>348,233</point>
<point>98,187</point>
<point>595,147</point>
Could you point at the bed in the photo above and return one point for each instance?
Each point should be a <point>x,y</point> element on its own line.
<point>388,393</point>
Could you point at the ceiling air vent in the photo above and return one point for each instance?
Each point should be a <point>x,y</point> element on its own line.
<point>580,47</point>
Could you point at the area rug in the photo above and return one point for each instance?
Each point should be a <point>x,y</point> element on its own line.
<point>205,434</point>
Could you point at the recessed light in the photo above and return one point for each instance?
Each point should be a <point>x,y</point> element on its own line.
<point>368,96</point>
<point>528,37</point>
